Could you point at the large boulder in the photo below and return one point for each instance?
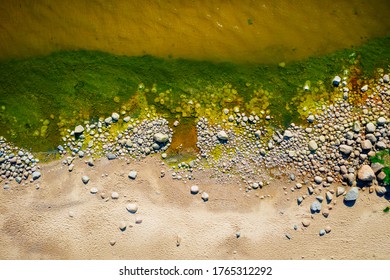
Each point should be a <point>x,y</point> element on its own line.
<point>366,174</point>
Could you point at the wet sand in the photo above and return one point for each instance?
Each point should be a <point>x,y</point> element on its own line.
<point>63,220</point>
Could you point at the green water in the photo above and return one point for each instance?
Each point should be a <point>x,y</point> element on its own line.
<point>41,96</point>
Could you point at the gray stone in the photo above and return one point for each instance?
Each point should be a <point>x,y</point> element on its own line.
<point>126,119</point>
<point>380,145</point>
<point>36,175</point>
<point>310,118</point>
<point>345,149</point>
<point>350,178</point>
<point>380,190</point>
<point>366,174</point>
<point>312,146</point>
<point>370,127</point>
<point>352,194</point>
<point>111,156</point>
<point>222,135</point>
<point>322,232</point>
<point>299,200</point>
<point>85,179</point>
<point>132,174</point>
<point>386,78</point>
<point>79,129</point>
<point>356,127</point>
<point>364,88</point>
<point>161,137</point>
<point>205,196</point>
<point>108,120</point>
<point>315,206</point>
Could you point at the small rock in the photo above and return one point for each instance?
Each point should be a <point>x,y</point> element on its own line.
<point>132,174</point>
<point>366,174</point>
<point>93,190</point>
<point>222,135</point>
<point>112,242</point>
<point>318,179</point>
<point>322,232</point>
<point>122,226</point>
<point>328,229</point>
<point>370,127</point>
<point>287,134</point>
<point>386,78</point>
<point>161,138</point>
<point>205,196</point>
<point>306,222</point>
<point>111,156</point>
<point>381,121</point>
<point>352,194</point>
<point>194,189</point>
<point>340,191</point>
<point>85,179</point>
<point>132,207</point>
<point>79,129</point>
<point>114,195</point>
<point>310,119</point>
<point>380,190</point>
<point>138,220</point>
<point>115,117</point>
<point>329,196</point>
<point>345,149</point>
<point>315,206</point>
<point>381,176</point>
<point>36,175</point>
<point>364,88</point>
<point>366,145</point>
<point>325,213</point>
<point>312,146</point>
<point>336,81</point>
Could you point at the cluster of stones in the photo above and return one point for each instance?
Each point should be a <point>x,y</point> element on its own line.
<point>335,146</point>
<point>17,164</point>
<point>139,138</point>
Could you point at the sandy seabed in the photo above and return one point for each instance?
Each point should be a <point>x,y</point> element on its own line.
<point>63,220</point>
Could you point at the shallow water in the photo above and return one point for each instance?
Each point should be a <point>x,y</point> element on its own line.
<point>242,31</point>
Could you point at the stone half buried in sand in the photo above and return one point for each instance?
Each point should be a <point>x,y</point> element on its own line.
<point>366,174</point>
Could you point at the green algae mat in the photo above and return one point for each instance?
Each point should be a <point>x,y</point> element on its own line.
<point>41,97</point>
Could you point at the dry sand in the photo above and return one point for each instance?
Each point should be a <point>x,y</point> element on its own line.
<point>63,220</point>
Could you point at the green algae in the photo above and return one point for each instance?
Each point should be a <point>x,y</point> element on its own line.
<point>383,157</point>
<point>41,97</point>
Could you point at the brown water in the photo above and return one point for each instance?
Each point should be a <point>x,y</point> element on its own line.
<point>246,31</point>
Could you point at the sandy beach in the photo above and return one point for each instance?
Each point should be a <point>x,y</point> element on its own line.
<point>63,220</point>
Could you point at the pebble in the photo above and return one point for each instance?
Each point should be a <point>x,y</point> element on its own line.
<point>79,129</point>
<point>132,174</point>
<point>322,232</point>
<point>306,222</point>
<point>340,191</point>
<point>112,242</point>
<point>329,196</point>
<point>205,196</point>
<point>115,117</point>
<point>194,189</point>
<point>132,207</point>
<point>315,207</point>
<point>161,137</point>
<point>93,190</point>
<point>328,229</point>
<point>318,179</point>
<point>138,220</point>
<point>122,226</point>
<point>111,156</point>
<point>36,175</point>
<point>114,195</point>
<point>312,146</point>
<point>370,127</point>
<point>381,121</point>
<point>222,135</point>
<point>85,179</point>
<point>336,81</point>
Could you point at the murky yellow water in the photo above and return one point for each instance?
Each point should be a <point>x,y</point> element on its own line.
<point>242,30</point>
